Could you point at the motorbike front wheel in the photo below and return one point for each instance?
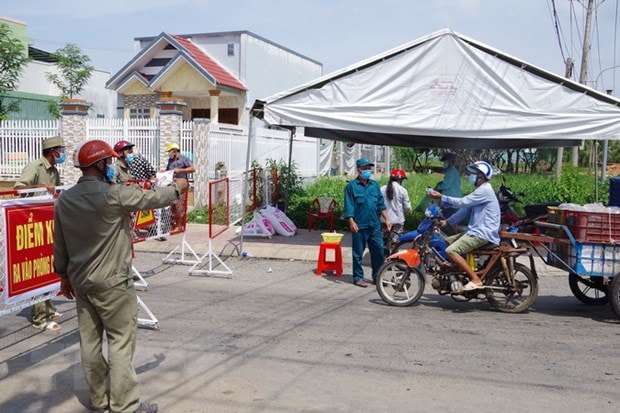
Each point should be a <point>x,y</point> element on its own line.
<point>614,295</point>
<point>398,284</point>
<point>512,298</point>
<point>589,291</point>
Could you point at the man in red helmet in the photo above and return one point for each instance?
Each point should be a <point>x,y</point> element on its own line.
<point>130,165</point>
<point>92,256</point>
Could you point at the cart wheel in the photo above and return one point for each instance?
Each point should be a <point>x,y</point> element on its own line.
<point>614,295</point>
<point>589,291</point>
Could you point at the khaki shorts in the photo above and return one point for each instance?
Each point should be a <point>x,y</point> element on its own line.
<point>462,243</point>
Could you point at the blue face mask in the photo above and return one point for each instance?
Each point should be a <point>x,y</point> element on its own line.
<point>446,165</point>
<point>109,173</point>
<point>472,179</point>
<point>61,159</point>
<point>366,174</point>
<point>129,158</point>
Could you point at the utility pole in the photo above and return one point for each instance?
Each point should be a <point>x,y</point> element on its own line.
<point>568,72</point>
<point>585,54</point>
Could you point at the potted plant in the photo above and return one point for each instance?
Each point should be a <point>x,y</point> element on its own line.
<point>285,182</point>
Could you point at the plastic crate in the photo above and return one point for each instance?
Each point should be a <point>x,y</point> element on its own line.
<point>587,226</point>
<point>594,259</point>
<point>558,255</point>
<point>556,215</point>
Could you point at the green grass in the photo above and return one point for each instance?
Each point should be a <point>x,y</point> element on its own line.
<point>576,185</point>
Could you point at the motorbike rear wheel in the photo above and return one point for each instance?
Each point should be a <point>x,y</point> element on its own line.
<point>589,291</point>
<point>512,298</point>
<point>614,295</point>
<point>398,284</point>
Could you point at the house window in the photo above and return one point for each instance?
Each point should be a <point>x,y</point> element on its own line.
<point>226,115</point>
<point>140,113</point>
<point>231,49</point>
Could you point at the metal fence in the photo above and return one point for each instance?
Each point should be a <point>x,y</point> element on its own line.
<point>20,143</point>
<point>144,133</point>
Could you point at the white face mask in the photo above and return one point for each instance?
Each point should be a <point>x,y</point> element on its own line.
<point>472,179</point>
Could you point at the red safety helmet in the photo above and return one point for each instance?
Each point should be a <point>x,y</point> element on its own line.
<point>398,174</point>
<point>92,151</point>
<point>121,145</point>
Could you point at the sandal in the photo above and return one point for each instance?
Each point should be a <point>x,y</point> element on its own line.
<point>47,326</point>
<point>146,408</point>
<point>470,286</point>
<point>55,316</point>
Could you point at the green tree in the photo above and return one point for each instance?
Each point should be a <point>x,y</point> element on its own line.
<point>12,63</point>
<point>74,70</point>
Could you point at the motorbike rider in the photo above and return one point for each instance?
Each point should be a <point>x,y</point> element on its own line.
<point>482,208</point>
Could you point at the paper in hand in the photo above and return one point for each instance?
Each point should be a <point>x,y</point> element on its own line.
<point>165,178</point>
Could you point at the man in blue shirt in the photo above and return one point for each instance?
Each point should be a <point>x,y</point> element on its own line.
<point>451,184</point>
<point>363,204</point>
<point>482,208</point>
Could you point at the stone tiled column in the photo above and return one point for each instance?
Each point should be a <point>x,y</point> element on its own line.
<point>170,122</point>
<point>215,105</point>
<point>201,176</point>
<point>74,118</point>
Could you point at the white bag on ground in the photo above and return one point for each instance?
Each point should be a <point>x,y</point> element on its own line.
<point>258,227</point>
<point>279,221</point>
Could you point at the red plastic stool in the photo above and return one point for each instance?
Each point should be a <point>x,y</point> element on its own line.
<point>325,265</point>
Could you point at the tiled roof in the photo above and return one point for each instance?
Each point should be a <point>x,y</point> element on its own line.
<point>221,75</point>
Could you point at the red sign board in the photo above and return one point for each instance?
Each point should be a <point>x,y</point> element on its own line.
<point>29,245</point>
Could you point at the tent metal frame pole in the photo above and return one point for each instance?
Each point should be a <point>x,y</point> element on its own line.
<point>244,191</point>
<point>292,132</point>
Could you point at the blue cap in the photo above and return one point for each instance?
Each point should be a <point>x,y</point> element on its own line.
<point>361,162</point>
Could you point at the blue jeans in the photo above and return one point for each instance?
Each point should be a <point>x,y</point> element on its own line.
<point>373,237</point>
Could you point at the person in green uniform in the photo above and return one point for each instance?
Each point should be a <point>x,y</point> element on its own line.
<point>122,173</point>
<point>43,173</point>
<point>92,256</point>
<point>363,205</point>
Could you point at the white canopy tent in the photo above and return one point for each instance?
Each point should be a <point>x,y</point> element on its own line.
<point>445,90</point>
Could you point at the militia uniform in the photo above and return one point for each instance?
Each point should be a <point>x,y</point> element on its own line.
<point>42,172</point>
<point>92,249</point>
<point>122,173</point>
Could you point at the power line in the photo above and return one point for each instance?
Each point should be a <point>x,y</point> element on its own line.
<point>556,26</point>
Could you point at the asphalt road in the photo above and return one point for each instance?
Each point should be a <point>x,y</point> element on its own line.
<point>277,338</point>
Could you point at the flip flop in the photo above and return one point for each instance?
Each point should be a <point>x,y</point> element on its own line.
<point>47,326</point>
<point>470,286</point>
<point>56,315</point>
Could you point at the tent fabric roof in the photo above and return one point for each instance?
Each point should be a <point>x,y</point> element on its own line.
<point>443,91</point>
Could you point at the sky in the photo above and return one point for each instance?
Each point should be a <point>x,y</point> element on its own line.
<point>336,33</point>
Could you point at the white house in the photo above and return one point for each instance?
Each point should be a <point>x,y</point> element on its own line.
<point>224,70</point>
